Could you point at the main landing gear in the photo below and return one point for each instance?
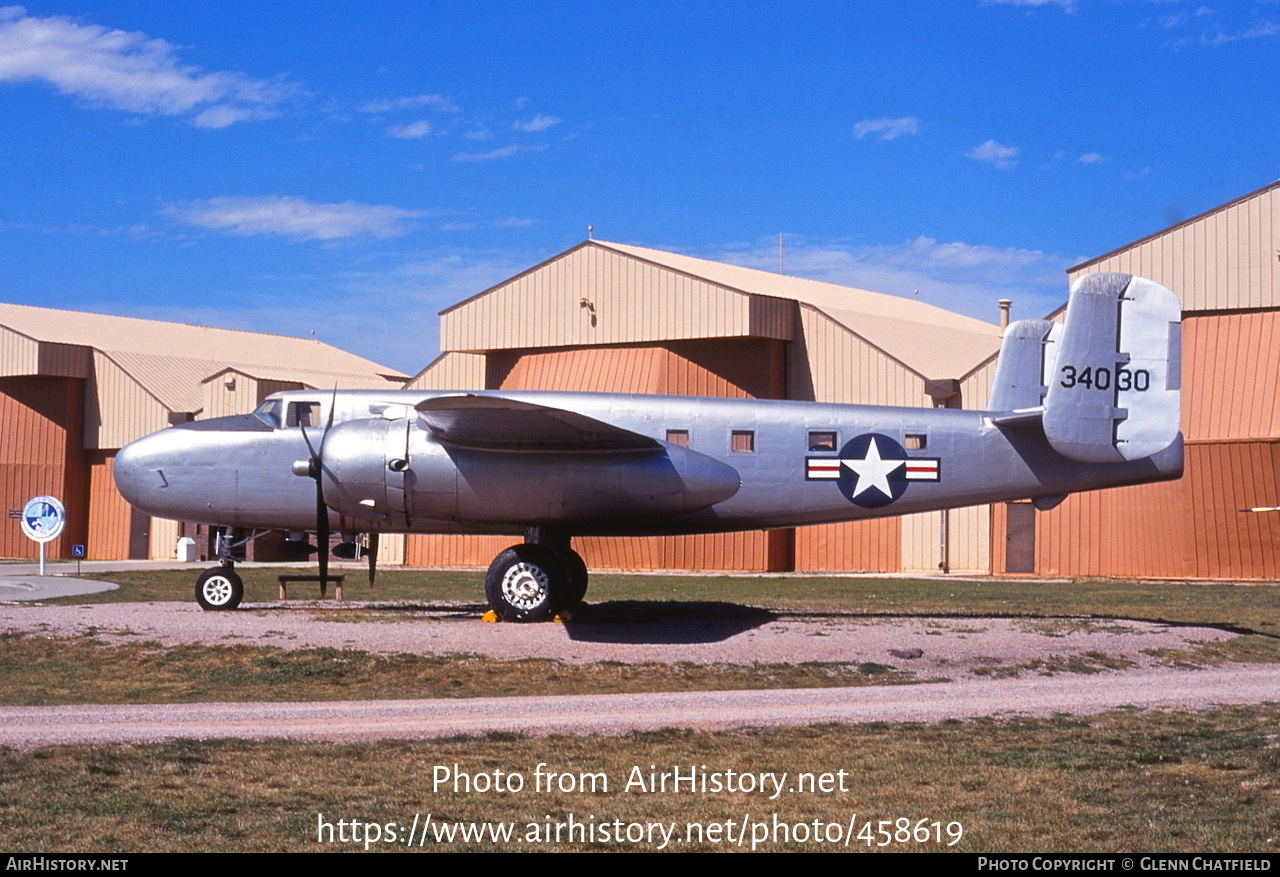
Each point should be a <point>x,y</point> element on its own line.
<point>535,580</point>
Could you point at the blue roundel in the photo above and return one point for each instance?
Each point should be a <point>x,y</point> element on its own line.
<point>873,470</point>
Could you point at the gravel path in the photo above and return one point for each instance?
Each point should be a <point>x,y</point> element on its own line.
<point>27,727</point>
<point>633,633</point>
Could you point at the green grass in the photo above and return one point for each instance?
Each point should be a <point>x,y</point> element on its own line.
<point>1119,782</point>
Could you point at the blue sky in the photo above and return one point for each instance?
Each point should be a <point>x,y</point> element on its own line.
<point>348,170</point>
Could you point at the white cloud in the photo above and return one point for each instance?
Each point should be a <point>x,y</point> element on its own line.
<point>537,123</point>
<point>437,102</point>
<point>409,296</point>
<point>127,71</point>
<point>1091,158</point>
<point>293,217</point>
<point>1064,5</point>
<point>500,152</point>
<point>412,131</point>
<point>1261,29</point>
<point>994,153</point>
<point>887,129</point>
<point>224,116</point>
<point>962,277</point>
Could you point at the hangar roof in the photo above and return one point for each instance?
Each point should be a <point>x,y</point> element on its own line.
<point>171,360</point>
<point>932,341</point>
<point>686,297</point>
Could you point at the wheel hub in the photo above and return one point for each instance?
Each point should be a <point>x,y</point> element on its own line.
<point>217,590</point>
<point>526,585</point>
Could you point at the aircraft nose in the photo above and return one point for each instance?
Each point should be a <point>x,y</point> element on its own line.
<point>139,471</point>
<point>128,463</point>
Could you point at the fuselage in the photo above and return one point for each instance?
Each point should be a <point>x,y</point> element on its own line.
<point>715,465</point>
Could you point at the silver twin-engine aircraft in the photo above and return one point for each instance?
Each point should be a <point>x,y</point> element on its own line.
<point>1088,403</point>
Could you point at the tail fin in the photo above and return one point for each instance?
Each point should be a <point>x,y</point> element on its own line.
<point>1114,393</point>
<point>1025,366</point>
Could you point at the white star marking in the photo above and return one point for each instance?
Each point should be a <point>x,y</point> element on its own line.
<point>873,471</point>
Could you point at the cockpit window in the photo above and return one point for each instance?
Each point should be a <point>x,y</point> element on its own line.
<point>269,413</point>
<point>303,414</point>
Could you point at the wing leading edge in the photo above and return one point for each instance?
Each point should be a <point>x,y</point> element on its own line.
<point>493,423</point>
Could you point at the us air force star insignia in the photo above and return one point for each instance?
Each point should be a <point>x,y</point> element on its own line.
<point>872,470</point>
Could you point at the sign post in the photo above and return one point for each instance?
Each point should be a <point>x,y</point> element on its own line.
<point>43,518</point>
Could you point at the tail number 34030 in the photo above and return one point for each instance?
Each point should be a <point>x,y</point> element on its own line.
<point>1103,378</point>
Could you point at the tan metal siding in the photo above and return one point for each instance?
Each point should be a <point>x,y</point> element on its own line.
<point>844,368</point>
<point>163,537</point>
<point>118,409</point>
<point>1224,259</point>
<point>590,296</point>
<point>19,355</point>
<point>223,401</point>
<point>969,540</point>
<point>920,542</point>
<point>23,355</point>
<point>391,548</point>
<point>975,389</point>
<point>451,371</point>
<point>65,360</point>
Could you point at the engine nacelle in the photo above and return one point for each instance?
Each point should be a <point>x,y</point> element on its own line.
<point>390,474</point>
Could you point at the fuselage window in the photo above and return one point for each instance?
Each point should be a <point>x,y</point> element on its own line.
<point>822,440</point>
<point>916,441</point>
<point>678,437</point>
<point>743,441</point>
<point>303,414</point>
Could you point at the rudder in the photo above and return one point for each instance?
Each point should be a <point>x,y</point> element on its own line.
<point>1115,393</point>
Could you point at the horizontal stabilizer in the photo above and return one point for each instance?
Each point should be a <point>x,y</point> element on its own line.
<point>1115,390</point>
<point>498,424</point>
<point>1023,418</point>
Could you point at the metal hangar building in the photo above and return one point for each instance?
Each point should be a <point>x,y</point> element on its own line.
<point>614,318</point>
<point>76,387</point>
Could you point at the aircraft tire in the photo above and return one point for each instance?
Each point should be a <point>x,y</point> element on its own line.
<point>576,588</point>
<point>219,588</point>
<point>524,582</point>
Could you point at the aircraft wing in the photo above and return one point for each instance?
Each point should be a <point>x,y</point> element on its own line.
<point>498,424</point>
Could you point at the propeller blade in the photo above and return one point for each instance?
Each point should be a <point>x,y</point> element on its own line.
<point>322,530</point>
<point>317,472</point>
<point>373,557</point>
